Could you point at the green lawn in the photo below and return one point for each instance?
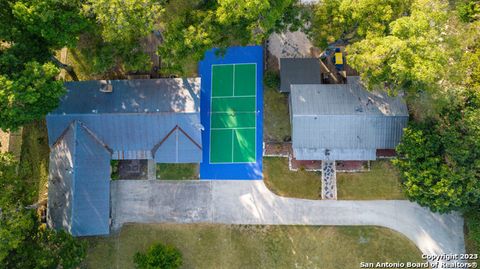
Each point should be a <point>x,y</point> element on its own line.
<point>242,246</point>
<point>280,180</point>
<point>382,182</point>
<point>472,231</point>
<point>276,120</point>
<point>34,161</point>
<point>174,171</point>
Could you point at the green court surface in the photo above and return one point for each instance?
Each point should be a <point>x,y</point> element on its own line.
<point>233,114</point>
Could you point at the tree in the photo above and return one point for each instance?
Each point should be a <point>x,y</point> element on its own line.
<point>159,256</point>
<point>121,25</point>
<point>30,32</point>
<point>440,158</point>
<point>189,32</point>
<point>28,95</point>
<point>34,29</point>
<point>348,20</point>
<point>25,243</point>
<point>469,10</point>
<point>57,22</point>
<point>124,21</point>
<point>414,56</point>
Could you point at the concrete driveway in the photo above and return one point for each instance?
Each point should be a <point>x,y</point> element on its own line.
<point>250,202</point>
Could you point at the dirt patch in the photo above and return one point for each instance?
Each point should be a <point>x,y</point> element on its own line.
<point>277,149</point>
<point>305,165</point>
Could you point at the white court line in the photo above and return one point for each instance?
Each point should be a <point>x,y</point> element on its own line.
<point>237,96</point>
<point>232,144</point>
<point>234,64</point>
<point>233,128</point>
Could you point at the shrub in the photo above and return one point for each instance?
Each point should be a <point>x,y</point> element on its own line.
<point>159,256</point>
<point>272,80</point>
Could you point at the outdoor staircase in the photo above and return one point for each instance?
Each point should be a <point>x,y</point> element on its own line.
<point>335,76</point>
<point>329,180</point>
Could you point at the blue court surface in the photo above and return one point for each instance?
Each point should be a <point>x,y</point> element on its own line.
<point>232,113</point>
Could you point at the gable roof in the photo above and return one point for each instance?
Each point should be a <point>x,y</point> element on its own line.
<point>135,117</point>
<point>344,121</point>
<point>79,189</point>
<point>299,71</point>
<point>91,127</point>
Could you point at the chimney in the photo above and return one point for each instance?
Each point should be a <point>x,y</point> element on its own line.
<point>106,86</point>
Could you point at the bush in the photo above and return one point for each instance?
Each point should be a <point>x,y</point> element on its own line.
<point>159,256</point>
<point>272,80</point>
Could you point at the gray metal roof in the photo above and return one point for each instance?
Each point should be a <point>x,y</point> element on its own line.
<point>132,96</point>
<point>344,99</point>
<point>344,119</point>
<point>299,71</point>
<point>79,183</point>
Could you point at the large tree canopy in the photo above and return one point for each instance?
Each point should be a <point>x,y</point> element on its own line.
<point>350,20</point>
<point>30,33</point>
<point>440,160</point>
<point>414,55</point>
<point>202,25</point>
<point>52,24</point>
<point>124,21</point>
<point>28,95</point>
<point>116,38</point>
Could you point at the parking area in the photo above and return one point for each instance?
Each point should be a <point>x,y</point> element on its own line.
<point>153,201</point>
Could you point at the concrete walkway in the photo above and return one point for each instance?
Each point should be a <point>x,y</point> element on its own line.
<point>250,202</point>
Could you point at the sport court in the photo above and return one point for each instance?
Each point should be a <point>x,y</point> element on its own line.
<point>233,114</point>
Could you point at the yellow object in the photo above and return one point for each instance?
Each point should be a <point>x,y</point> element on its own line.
<point>338,58</point>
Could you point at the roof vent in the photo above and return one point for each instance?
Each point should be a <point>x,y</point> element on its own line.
<point>106,86</point>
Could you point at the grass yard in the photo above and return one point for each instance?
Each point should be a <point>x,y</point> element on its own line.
<point>177,171</point>
<point>472,231</point>
<point>276,119</point>
<point>280,180</point>
<point>241,246</point>
<point>34,161</point>
<point>381,183</point>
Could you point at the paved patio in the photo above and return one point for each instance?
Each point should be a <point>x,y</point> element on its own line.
<point>250,202</point>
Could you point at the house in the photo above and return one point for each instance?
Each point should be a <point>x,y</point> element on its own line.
<point>344,121</point>
<point>100,121</point>
<point>299,71</point>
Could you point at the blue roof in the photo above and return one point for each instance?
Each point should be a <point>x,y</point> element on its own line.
<point>131,96</point>
<point>141,119</point>
<point>79,193</point>
<point>134,136</point>
<point>135,117</point>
